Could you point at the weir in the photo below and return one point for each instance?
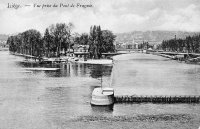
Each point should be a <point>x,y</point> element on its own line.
<point>157,99</point>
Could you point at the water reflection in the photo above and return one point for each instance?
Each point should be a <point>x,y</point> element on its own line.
<point>72,69</point>
<point>100,70</point>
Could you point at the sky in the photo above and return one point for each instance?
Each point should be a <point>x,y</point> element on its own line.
<point>116,15</point>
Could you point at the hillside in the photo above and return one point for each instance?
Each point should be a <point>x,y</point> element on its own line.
<point>3,37</point>
<point>153,37</point>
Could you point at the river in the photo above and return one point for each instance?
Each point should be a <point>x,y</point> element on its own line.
<point>61,99</point>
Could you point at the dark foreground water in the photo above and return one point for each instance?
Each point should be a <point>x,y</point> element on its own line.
<point>61,99</point>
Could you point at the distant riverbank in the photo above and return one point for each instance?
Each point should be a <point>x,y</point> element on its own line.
<point>4,49</point>
<point>64,59</point>
<point>190,58</point>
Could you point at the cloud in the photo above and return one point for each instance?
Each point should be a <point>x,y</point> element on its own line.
<point>115,15</point>
<point>187,19</point>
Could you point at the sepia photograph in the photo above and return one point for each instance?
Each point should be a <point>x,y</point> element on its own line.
<point>99,64</point>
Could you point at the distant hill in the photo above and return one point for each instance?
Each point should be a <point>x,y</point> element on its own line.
<point>3,37</point>
<point>153,37</point>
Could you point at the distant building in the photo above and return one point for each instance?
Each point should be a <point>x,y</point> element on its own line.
<point>118,45</point>
<point>155,46</point>
<point>132,45</point>
<point>3,44</point>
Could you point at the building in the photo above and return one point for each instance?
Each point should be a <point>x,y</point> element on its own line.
<point>3,44</point>
<point>81,51</point>
<point>132,45</point>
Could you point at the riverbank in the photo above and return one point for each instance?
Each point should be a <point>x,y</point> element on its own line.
<point>189,58</point>
<point>94,61</point>
<point>64,59</point>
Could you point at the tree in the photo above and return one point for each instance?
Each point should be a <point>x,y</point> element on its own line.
<point>95,41</point>
<point>70,27</point>
<point>61,34</point>
<point>92,40</point>
<point>100,42</point>
<point>48,43</point>
<point>84,39</point>
<point>108,41</point>
<point>12,44</point>
<point>35,42</point>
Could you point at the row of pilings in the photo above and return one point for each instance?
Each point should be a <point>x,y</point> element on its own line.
<point>157,99</point>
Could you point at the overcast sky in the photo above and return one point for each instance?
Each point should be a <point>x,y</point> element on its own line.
<point>116,15</point>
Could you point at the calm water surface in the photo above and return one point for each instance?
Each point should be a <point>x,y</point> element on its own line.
<point>49,99</point>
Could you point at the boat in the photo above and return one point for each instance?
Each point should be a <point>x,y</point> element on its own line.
<point>102,96</point>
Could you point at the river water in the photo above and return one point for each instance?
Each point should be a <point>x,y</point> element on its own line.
<point>61,99</point>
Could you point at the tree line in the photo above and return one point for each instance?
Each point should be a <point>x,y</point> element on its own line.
<point>190,44</point>
<point>59,37</point>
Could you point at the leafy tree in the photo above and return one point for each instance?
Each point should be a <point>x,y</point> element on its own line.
<point>108,41</point>
<point>95,42</point>
<point>84,39</point>
<point>12,44</point>
<point>61,34</point>
<point>48,43</point>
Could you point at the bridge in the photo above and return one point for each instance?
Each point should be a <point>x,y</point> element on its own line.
<point>179,53</point>
<point>184,54</point>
